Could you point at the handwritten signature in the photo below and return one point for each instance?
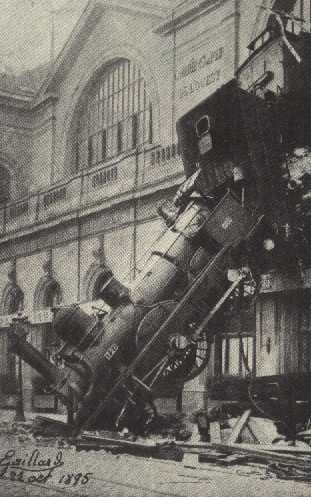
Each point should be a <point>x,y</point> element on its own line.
<point>34,467</point>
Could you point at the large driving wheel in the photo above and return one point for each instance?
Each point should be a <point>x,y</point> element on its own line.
<point>176,354</point>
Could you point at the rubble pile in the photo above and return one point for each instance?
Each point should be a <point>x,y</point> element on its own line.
<point>18,431</point>
<point>224,436</point>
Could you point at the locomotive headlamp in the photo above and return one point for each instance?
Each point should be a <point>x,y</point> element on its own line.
<point>268,244</point>
<point>203,126</point>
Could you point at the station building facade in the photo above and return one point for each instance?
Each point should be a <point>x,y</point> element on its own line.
<point>86,160</point>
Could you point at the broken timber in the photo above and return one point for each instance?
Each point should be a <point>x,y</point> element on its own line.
<point>236,453</point>
<point>258,453</point>
<point>206,451</point>
<point>238,427</point>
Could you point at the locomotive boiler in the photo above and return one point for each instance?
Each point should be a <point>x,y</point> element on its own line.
<point>157,333</point>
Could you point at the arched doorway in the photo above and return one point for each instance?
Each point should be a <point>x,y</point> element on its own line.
<point>93,281</point>
<point>47,295</point>
<point>99,282</point>
<point>51,297</point>
<point>12,302</point>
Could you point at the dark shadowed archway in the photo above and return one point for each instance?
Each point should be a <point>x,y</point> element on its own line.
<point>12,302</point>
<point>47,295</point>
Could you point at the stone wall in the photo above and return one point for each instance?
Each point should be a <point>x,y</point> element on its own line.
<point>184,57</point>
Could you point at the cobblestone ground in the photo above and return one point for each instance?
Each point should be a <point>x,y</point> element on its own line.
<point>41,467</point>
<point>98,474</point>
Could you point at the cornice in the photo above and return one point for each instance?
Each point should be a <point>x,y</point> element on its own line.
<point>89,18</point>
<point>99,207</point>
<point>188,12</point>
<point>159,9</point>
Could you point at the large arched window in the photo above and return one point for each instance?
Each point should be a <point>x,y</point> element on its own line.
<point>115,115</point>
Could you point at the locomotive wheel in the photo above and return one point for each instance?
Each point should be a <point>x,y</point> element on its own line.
<point>203,348</point>
<point>176,356</point>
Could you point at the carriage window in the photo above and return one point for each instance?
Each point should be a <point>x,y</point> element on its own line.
<point>115,116</point>
<point>237,355</point>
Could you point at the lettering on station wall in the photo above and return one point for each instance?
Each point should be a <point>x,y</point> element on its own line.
<point>199,73</point>
<point>54,196</point>
<point>197,85</point>
<point>197,63</point>
<point>18,210</point>
<point>105,176</point>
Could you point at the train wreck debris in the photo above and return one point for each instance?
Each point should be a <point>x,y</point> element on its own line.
<point>241,212</point>
<point>114,367</point>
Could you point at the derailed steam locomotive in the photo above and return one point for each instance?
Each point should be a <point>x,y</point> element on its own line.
<point>158,331</point>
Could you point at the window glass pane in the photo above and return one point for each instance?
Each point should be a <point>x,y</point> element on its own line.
<point>224,356</point>
<point>109,111</point>
<point>110,82</point>
<point>100,115</point>
<point>77,155</point>
<point>105,85</point>
<point>83,153</point>
<point>120,137</point>
<point>114,141</point>
<point>101,91</point>
<point>135,96</point>
<point>4,184</point>
<point>93,116</point>
<point>109,142</point>
<point>234,356</point>
<point>99,146</point>
<point>141,128</point>
<point>134,131</point>
<point>119,99</point>
<point>104,144</point>
<point>150,123</point>
<point>147,126</point>
<point>142,95</point>
<point>248,352</point>
<point>128,133</point>
<point>126,101</point>
<point>92,149</point>
<point>131,99</point>
<point>89,151</point>
<point>105,114</point>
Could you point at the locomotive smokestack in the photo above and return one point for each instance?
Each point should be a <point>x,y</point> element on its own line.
<point>19,346</point>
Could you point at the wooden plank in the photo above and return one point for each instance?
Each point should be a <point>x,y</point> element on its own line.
<point>214,430</point>
<point>89,437</point>
<point>283,449</point>
<point>240,424</point>
<point>255,452</point>
<point>276,448</point>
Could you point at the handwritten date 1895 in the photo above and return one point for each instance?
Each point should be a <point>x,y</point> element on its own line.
<point>74,479</point>
<point>36,467</point>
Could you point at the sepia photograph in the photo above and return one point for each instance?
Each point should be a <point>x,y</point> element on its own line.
<point>155,248</point>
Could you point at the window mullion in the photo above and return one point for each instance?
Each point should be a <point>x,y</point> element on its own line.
<point>117,116</point>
